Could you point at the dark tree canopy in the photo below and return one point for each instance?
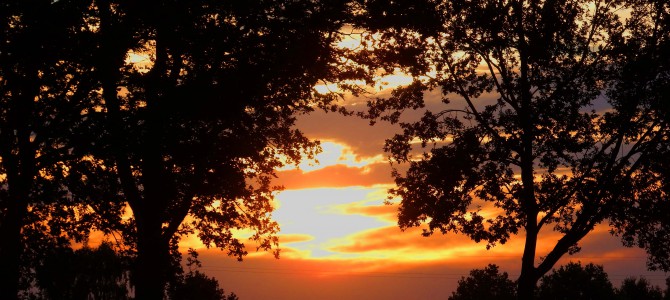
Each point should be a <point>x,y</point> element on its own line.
<point>86,273</point>
<point>44,89</point>
<point>485,283</point>
<point>188,138</point>
<point>196,285</point>
<point>638,288</point>
<point>574,281</point>
<point>195,134</point>
<point>105,273</point>
<point>553,115</point>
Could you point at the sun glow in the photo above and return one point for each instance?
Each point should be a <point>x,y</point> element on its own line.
<point>141,61</point>
<point>334,153</point>
<point>383,83</point>
<point>320,216</point>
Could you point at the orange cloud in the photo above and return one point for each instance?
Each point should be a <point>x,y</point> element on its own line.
<point>294,238</point>
<point>386,212</point>
<point>334,153</point>
<point>336,176</point>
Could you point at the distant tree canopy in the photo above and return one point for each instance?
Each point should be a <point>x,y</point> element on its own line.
<point>485,283</point>
<point>639,288</point>
<point>85,273</point>
<point>553,115</point>
<point>196,285</point>
<point>574,281</point>
<point>104,273</point>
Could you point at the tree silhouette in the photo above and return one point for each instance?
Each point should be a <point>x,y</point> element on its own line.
<point>85,273</point>
<point>522,130</point>
<point>196,285</point>
<point>638,288</point>
<point>574,281</point>
<point>485,283</point>
<point>43,120</point>
<point>104,273</point>
<point>197,133</point>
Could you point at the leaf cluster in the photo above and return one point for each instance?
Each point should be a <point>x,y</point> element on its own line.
<point>551,113</point>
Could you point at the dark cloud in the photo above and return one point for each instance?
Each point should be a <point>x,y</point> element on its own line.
<point>364,139</point>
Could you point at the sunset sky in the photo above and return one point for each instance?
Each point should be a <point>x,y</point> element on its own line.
<point>340,241</point>
<point>149,129</point>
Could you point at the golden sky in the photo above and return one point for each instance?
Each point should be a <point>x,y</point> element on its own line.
<point>340,241</point>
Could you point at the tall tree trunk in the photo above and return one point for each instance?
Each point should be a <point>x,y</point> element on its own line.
<point>152,245</point>
<point>152,258</point>
<point>528,279</point>
<point>529,275</point>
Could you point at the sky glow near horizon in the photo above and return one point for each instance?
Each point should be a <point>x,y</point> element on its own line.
<point>340,241</point>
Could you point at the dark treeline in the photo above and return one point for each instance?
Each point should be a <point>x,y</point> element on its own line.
<point>571,281</point>
<point>103,273</point>
<point>151,120</point>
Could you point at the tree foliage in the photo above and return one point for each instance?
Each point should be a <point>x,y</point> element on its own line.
<point>485,283</point>
<point>44,90</point>
<point>180,110</point>
<point>105,273</point>
<point>196,285</point>
<point>638,288</point>
<point>195,133</point>
<point>551,116</point>
<point>574,281</point>
<point>570,281</point>
<point>86,273</point>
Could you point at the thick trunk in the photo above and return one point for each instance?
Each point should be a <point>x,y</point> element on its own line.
<point>527,280</point>
<point>152,245</point>
<point>152,261</point>
<point>153,252</point>
<point>529,276</point>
